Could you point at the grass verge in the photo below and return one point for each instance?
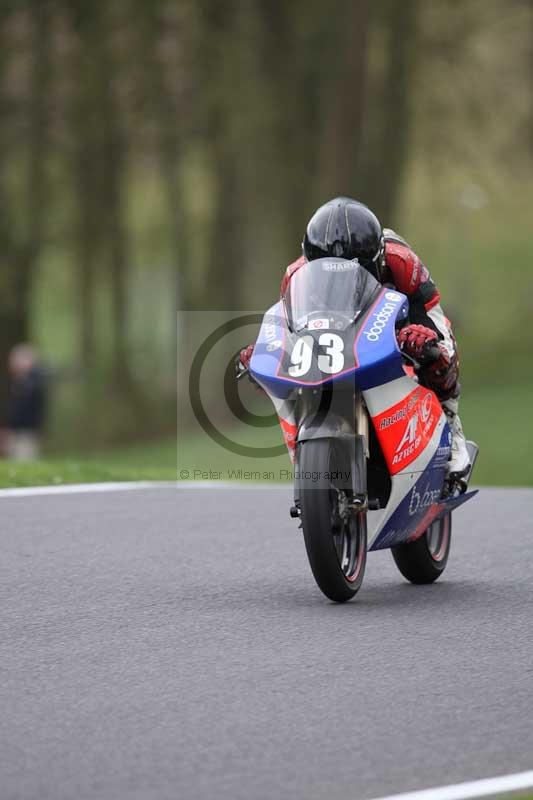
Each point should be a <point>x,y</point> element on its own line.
<point>143,462</point>
<point>496,417</point>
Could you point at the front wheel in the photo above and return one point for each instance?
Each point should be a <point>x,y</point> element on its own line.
<point>424,560</point>
<point>334,534</point>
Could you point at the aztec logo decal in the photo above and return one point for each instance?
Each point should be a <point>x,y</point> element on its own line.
<point>409,436</point>
<point>405,429</point>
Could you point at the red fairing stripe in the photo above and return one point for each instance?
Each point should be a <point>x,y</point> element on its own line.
<point>433,302</point>
<point>289,272</point>
<point>405,429</point>
<point>426,521</point>
<point>290,432</point>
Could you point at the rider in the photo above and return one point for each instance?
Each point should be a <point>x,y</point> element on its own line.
<point>346,228</point>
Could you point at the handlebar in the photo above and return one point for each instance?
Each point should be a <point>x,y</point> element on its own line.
<point>431,354</point>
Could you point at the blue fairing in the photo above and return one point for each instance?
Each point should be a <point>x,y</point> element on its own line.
<point>269,351</point>
<point>424,494</point>
<point>377,350</point>
<point>371,352</point>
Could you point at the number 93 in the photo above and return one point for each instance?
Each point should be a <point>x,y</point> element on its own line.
<point>330,361</point>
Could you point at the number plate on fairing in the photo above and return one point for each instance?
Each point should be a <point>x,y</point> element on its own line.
<point>315,356</point>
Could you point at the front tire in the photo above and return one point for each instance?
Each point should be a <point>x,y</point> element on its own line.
<point>335,536</point>
<point>424,560</point>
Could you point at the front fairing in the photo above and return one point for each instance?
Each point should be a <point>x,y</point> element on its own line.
<point>328,292</point>
<point>364,353</point>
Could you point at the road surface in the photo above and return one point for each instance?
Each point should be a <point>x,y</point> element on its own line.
<point>171,643</point>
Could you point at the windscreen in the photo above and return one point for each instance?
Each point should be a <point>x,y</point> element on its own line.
<point>328,292</point>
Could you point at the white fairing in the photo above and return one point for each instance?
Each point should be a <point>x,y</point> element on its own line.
<point>436,314</point>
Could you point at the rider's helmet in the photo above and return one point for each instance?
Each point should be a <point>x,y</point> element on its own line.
<point>345,228</point>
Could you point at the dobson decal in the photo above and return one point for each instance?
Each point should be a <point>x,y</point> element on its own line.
<point>380,318</point>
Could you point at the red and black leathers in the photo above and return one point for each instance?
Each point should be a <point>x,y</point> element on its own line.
<point>405,272</point>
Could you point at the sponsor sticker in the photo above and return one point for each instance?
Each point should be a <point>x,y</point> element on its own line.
<point>379,319</point>
<point>318,324</point>
<point>420,500</point>
<point>340,266</point>
<point>273,343</point>
<point>425,406</point>
<point>404,430</point>
<point>394,297</point>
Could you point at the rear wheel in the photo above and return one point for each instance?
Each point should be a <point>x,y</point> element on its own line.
<point>424,560</point>
<point>334,534</point>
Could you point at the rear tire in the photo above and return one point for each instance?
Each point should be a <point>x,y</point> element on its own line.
<point>424,560</point>
<point>335,538</point>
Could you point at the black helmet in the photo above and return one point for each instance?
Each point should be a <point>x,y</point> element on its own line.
<point>345,228</point>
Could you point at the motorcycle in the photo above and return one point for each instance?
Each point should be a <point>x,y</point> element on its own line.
<point>368,441</point>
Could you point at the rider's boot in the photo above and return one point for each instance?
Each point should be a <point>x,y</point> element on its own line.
<point>459,462</point>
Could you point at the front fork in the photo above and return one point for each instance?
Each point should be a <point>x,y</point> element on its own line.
<point>353,432</point>
<point>361,425</point>
<point>359,454</point>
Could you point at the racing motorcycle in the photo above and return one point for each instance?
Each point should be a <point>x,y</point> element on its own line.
<point>368,442</point>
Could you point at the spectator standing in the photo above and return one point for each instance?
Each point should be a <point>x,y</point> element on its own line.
<point>26,404</point>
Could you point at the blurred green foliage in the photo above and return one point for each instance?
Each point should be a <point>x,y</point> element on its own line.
<point>167,155</point>
<point>493,416</point>
<point>504,458</point>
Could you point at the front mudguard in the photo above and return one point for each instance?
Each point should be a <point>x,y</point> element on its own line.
<point>327,426</point>
<point>337,428</point>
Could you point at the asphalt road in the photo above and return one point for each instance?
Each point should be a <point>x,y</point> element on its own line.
<point>172,644</point>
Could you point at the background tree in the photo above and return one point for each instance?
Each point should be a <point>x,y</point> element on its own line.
<point>21,237</point>
<point>166,155</point>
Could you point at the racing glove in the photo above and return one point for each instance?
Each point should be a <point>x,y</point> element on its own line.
<point>243,360</point>
<point>420,343</point>
<point>442,375</point>
<point>242,363</point>
<point>440,371</point>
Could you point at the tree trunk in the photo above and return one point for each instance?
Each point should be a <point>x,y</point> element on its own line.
<point>83,111</point>
<point>20,246</point>
<point>388,151</point>
<point>530,65</point>
<point>114,167</point>
<point>101,162</point>
<point>226,239</point>
<point>345,106</point>
<point>171,116</point>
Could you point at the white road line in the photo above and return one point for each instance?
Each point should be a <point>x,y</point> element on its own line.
<point>462,791</point>
<point>84,488</point>
<point>233,484</point>
<point>128,486</point>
